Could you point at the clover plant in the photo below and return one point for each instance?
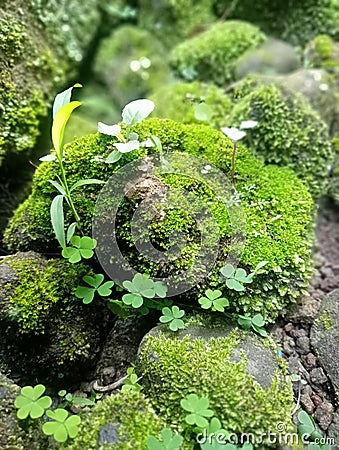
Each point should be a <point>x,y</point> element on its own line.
<point>96,286</point>
<point>213,300</point>
<point>198,409</point>
<point>142,287</point>
<point>167,441</point>
<point>172,316</point>
<point>82,247</point>
<point>31,403</point>
<point>235,278</point>
<point>256,323</point>
<point>131,383</point>
<point>308,428</point>
<point>69,399</point>
<point>62,426</point>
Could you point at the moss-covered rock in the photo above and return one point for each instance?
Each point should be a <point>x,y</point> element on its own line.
<point>322,51</point>
<point>212,55</point>
<point>43,325</point>
<point>277,207</point>
<point>174,20</point>
<point>119,422</point>
<point>289,133</point>
<point>236,371</point>
<point>334,181</point>
<point>178,102</point>
<point>15,434</point>
<point>296,22</point>
<point>41,45</point>
<point>131,62</point>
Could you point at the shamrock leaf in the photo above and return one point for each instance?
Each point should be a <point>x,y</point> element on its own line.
<point>173,316</point>
<point>198,408</point>
<point>31,403</point>
<point>257,323</point>
<point>95,283</point>
<point>82,248</point>
<point>62,426</point>
<point>131,383</point>
<point>134,300</point>
<point>168,441</point>
<point>213,300</point>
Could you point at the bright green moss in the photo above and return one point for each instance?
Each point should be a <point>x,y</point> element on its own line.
<point>178,101</point>
<point>323,51</point>
<point>173,20</point>
<point>211,56</point>
<point>43,286</point>
<point>131,63</point>
<point>119,422</point>
<point>289,133</point>
<point>334,182</point>
<point>174,367</point>
<point>12,38</point>
<point>277,206</point>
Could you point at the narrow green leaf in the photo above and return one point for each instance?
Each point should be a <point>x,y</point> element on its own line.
<point>57,219</point>
<point>63,98</point>
<point>59,125</point>
<point>58,187</point>
<point>85,182</point>
<point>71,231</point>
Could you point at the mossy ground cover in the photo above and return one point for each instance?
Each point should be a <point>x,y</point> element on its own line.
<point>277,206</point>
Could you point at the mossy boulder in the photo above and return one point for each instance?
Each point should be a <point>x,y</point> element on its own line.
<point>322,51</point>
<point>289,132</point>
<point>173,20</point>
<point>212,55</point>
<point>43,326</point>
<point>178,102</point>
<point>277,207</point>
<point>15,434</point>
<point>235,370</point>
<point>41,45</point>
<point>297,23</point>
<point>130,63</point>
<point>118,422</point>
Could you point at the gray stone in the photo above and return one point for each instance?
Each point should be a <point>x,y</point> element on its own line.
<point>325,337</point>
<point>324,415</point>
<point>303,345</point>
<point>271,58</point>
<point>109,434</point>
<point>333,431</point>
<point>318,376</point>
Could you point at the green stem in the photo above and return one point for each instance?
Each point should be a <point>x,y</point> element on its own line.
<point>233,160</point>
<point>68,194</point>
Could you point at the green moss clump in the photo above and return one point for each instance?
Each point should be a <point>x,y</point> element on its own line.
<point>131,63</point>
<point>173,20</point>
<point>298,22</point>
<point>173,367</point>
<point>289,133</point>
<point>118,422</point>
<point>277,207</point>
<point>323,52</point>
<point>211,56</point>
<point>334,181</point>
<point>178,101</point>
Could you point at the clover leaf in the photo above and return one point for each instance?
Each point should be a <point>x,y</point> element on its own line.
<point>235,277</point>
<point>31,403</point>
<point>131,383</point>
<point>257,323</point>
<point>173,316</point>
<point>82,247</point>
<point>95,283</point>
<point>198,408</point>
<point>62,425</point>
<point>141,286</point>
<point>214,429</point>
<point>168,441</point>
<point>214,301</point>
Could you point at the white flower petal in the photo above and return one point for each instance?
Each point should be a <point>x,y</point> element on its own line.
<point>148,143</point>
<point>233,133</point>
<point>110,130</point>
<point>248,124</point>
<point>127,147</point>
<point>48,158</point>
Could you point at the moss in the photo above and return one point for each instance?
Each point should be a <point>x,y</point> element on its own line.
<point>212,55</point>
<point>322,51</point>
<point>289,132</point>
<point>12,37</point>
<point>334,182</point>
<point>124,419</point>
<point>298,22</point>
<point>177,102</point>
<point>173,20</point>
<point>276,204</point>
<point>325,320</point>
<point>174,367</point>
<point>114,64</point>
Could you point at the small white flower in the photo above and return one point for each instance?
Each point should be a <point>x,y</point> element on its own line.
<point>248,124</point>
<point>98,158</point>
<point>148,143</point>
<point>127,147</point>
<point>233,133</point>
<point>206,169</point>
<point>110,130</point>
<point>48,158</point>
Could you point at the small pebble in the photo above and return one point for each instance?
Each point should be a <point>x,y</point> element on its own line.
<point>324,415</point>
<point>318,376</point>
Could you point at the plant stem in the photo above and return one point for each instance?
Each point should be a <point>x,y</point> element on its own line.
<point>69,196</point>
<point>233,159</point>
